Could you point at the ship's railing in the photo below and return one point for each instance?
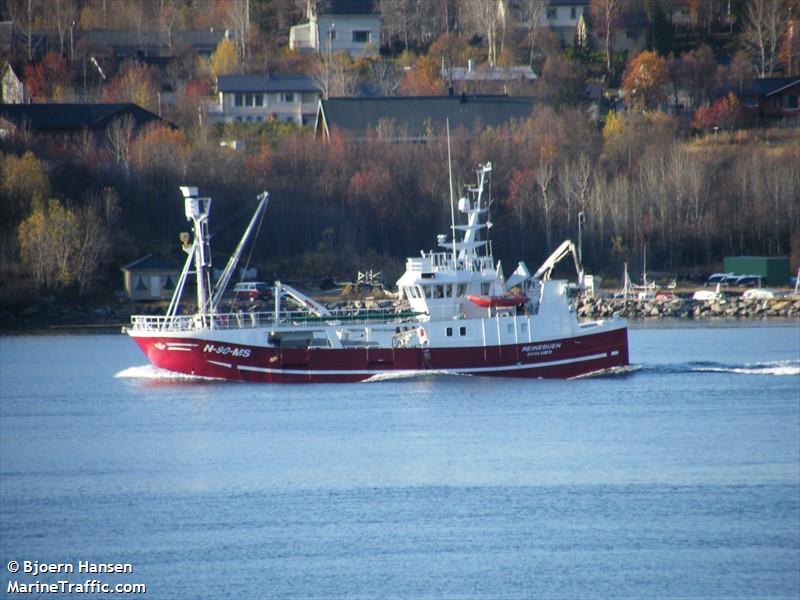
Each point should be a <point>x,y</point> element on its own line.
<point>443,261</point>
<point>248,320</point>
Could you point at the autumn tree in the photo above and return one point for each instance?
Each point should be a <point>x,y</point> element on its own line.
<point>790,47</point>
<point>25,187</point>
<point>726,114</point>
<point>764,22</point>
<point>645,81</point>
<point>62,247</point>
<point>488,18</point>
<point>562,82</point>
<point>698,74</point>
<point>423,79</point>
<point>605,17</point>
<point>224,60</point>
<point>49,78</point>
<point>531,13</point>
<point>119,137</point>
<point>413,23</point>
<point>135,83</point>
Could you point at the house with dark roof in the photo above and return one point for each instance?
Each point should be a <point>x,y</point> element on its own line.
<point>351,26</point>
<point>257,98</point>
<point>123,44</point>
<point>149,278</point>
<point>417,118</point>
<point>771,98</point>
<point>66,119</point>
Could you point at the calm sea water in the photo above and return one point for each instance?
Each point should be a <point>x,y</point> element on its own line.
<point>680,479</point>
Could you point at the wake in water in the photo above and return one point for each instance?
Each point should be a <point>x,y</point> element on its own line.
<point>406,375</point>
<point>154,373</point>
<point>775,368</point>
<point>611,372</point>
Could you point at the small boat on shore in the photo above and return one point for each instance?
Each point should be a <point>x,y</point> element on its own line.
<point>462,318</point>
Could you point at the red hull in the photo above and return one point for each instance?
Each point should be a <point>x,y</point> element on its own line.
<point>569,357</point>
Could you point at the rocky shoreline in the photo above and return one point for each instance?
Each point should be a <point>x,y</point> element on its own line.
<point>685,308</point>
<point>50,317</point>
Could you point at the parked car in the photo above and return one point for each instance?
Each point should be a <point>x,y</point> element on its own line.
<point>719,278</point>
<point>750,281</point>
<point>252,290</point>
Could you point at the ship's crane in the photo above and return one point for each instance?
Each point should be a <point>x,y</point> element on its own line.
<point>546,270</point>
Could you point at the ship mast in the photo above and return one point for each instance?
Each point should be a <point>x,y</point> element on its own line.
<point>197,211</point>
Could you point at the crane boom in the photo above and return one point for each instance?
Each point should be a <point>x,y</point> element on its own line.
<point>546,270</point>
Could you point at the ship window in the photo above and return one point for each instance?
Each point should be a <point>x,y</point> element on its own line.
<point>438,291</point>
<point>510,328</point>
<point>428,291</point>
<point>417,292</point>
<point>462,331</point>
<point>462,289</point>
<point>485,287</point>
<point>448,290</point>
<point>449,332</point>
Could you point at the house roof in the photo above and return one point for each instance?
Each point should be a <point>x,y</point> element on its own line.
<point>417,114</point>
<point>199,40</point>
<point>69,117</point>
<point>768,86</point>
<point>493,74</point>
<point>149,263</point>
<point>266,83</point>
<point>349,7</point>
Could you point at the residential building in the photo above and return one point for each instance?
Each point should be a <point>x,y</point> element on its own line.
<point>351,26</point>
<point>258,98</point>
<point>149,278</point>
<point>487,79</point>
<point>417,118</point>
<point>69,119</point>
<point>771,98</point>
<point>146,44</point>
<point>562,16</point>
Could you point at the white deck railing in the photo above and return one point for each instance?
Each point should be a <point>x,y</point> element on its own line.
<point>250,320</point>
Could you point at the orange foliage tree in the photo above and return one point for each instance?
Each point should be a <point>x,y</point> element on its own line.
<point>423,79</point>
<point>135,83</point>
<point>645,81</point>
<point>47,79</point>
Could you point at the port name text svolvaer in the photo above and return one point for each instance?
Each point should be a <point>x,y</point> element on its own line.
<point>34,567</point>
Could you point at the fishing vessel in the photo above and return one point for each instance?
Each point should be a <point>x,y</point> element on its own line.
<point>457,314</point>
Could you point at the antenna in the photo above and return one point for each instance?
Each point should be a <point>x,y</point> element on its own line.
<point>452,209</point>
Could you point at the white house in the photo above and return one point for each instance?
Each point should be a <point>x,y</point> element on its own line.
<point>562,16</point>
<point>257,98</point>
<point>352,26</point>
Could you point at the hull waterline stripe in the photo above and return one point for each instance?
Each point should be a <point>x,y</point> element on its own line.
<point>519,367</point>
<point>220,364</point>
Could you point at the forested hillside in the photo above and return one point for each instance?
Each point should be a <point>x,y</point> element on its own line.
<point>675,163</point>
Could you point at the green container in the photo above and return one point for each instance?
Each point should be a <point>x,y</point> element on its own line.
<point>774,269</point>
